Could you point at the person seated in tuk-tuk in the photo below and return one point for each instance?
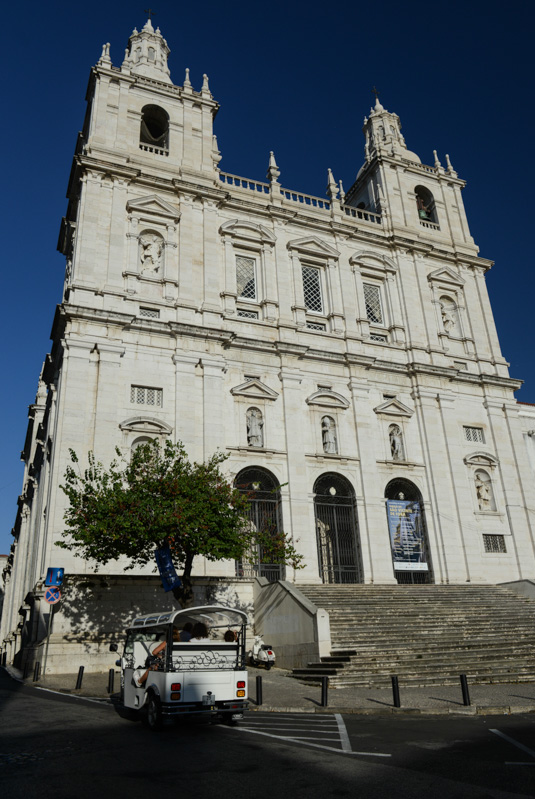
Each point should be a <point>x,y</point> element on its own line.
<point>230,637</point>
<point>156,650</point>
<point>186,632</point>
<point>199,634</point>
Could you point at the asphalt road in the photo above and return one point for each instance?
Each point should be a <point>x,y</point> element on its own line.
<point>66,748</point>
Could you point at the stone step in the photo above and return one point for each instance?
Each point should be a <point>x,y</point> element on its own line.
<point>428,635</point>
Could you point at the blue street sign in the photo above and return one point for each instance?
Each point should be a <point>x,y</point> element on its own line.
<point>54,576</point>
<point>52,595</point>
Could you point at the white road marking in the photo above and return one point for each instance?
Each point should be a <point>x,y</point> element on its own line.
<point>515,743</point>
<point>304,743</point>
<point>344,737</point>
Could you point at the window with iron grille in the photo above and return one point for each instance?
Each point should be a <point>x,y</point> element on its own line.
<point>247,314</point>
<point>494,543</point>
<point>372,298</point>
<point>151,313</point>
<point>245,277</point>
<point>375,337</point>
<point>316,326</point>
<point>145,395</point>
<point>312,289</point>
<point>474,434</point>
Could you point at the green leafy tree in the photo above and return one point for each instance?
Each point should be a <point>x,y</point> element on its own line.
<point>159,497</point>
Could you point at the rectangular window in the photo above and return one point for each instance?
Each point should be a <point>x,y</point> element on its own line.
<point>494,543</point>
<point>375,337</point>
<point>247,314</point>
<point>316,326</point>
<point>312,289</point>
<point>145,395</point>
<point>474,434</point>
<point>150,313</point>
<point>374,309</point>
<point>246,277</point>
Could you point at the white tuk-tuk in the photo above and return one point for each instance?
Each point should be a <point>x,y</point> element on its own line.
<point>184,677</point>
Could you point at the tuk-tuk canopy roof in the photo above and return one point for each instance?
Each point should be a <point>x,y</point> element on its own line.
<point>211,615</point>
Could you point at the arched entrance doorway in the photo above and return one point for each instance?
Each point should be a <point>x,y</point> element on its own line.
<point>408,533</point>
<point>265,513</point>
<point>337,530</point>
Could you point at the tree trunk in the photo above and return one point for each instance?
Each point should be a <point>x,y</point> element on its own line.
<point>184,593</point>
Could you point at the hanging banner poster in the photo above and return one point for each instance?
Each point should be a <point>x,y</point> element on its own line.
<point>170,578</point>
<point>406,535</point>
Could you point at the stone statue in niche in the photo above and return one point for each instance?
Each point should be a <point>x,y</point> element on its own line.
<point>328,434</point>
<point>396,442</point>
<point>255,425</point>
<point>483,491</point>
<point>151,252</point>
<point>448,315</point>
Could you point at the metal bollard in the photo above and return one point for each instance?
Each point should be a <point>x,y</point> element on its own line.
<point>26,671</point>
<point>395,691</point>
<point>111,679</point>
<point>36,670</point>
<point>80,677</point>
<point>259,690</point>
<point>4,658</point>
<point>464,688</point>
<point>324,691</point>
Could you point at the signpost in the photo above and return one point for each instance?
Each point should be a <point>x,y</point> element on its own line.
<point>54,578</point>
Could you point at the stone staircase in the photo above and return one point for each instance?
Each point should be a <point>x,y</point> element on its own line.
<point>426,634</point>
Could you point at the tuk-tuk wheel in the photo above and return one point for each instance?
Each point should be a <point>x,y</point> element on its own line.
<point>269,665</point>
<point>153,716</point>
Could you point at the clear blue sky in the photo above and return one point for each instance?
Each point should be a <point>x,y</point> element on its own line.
<point>294,77</point>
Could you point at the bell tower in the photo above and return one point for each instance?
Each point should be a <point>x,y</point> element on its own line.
<point>414,199</point>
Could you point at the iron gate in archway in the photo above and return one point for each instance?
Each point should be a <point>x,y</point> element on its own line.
<point>337,530</point>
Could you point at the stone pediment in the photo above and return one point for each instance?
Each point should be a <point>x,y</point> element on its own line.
<point>447,276</point>
<point>153,206</point>
<point>484,459</point>
<point>247,231</point>
<point>254,389</point>
<point>328,399</point>
<point>369,261</point>
<point>311,245</point>
<point>147,425</point>
<point>394,407</point>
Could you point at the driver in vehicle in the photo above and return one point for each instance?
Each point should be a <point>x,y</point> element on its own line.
<point>140,675</point>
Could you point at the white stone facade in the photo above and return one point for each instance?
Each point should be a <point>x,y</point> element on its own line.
<point>357,327</point>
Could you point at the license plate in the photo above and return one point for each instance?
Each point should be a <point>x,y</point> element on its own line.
<point>209,700</point>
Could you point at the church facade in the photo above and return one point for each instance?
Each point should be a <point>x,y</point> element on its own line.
<point>341,350</point>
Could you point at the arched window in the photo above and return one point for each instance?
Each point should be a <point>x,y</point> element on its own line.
<point>425,203</point>
<point>407,531</point>
<point>154,133</point>
<point>265,514</point>
<point>337,530</point>
<point>484,492</point>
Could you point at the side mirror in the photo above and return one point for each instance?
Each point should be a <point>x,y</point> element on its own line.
<point>113,647</point>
